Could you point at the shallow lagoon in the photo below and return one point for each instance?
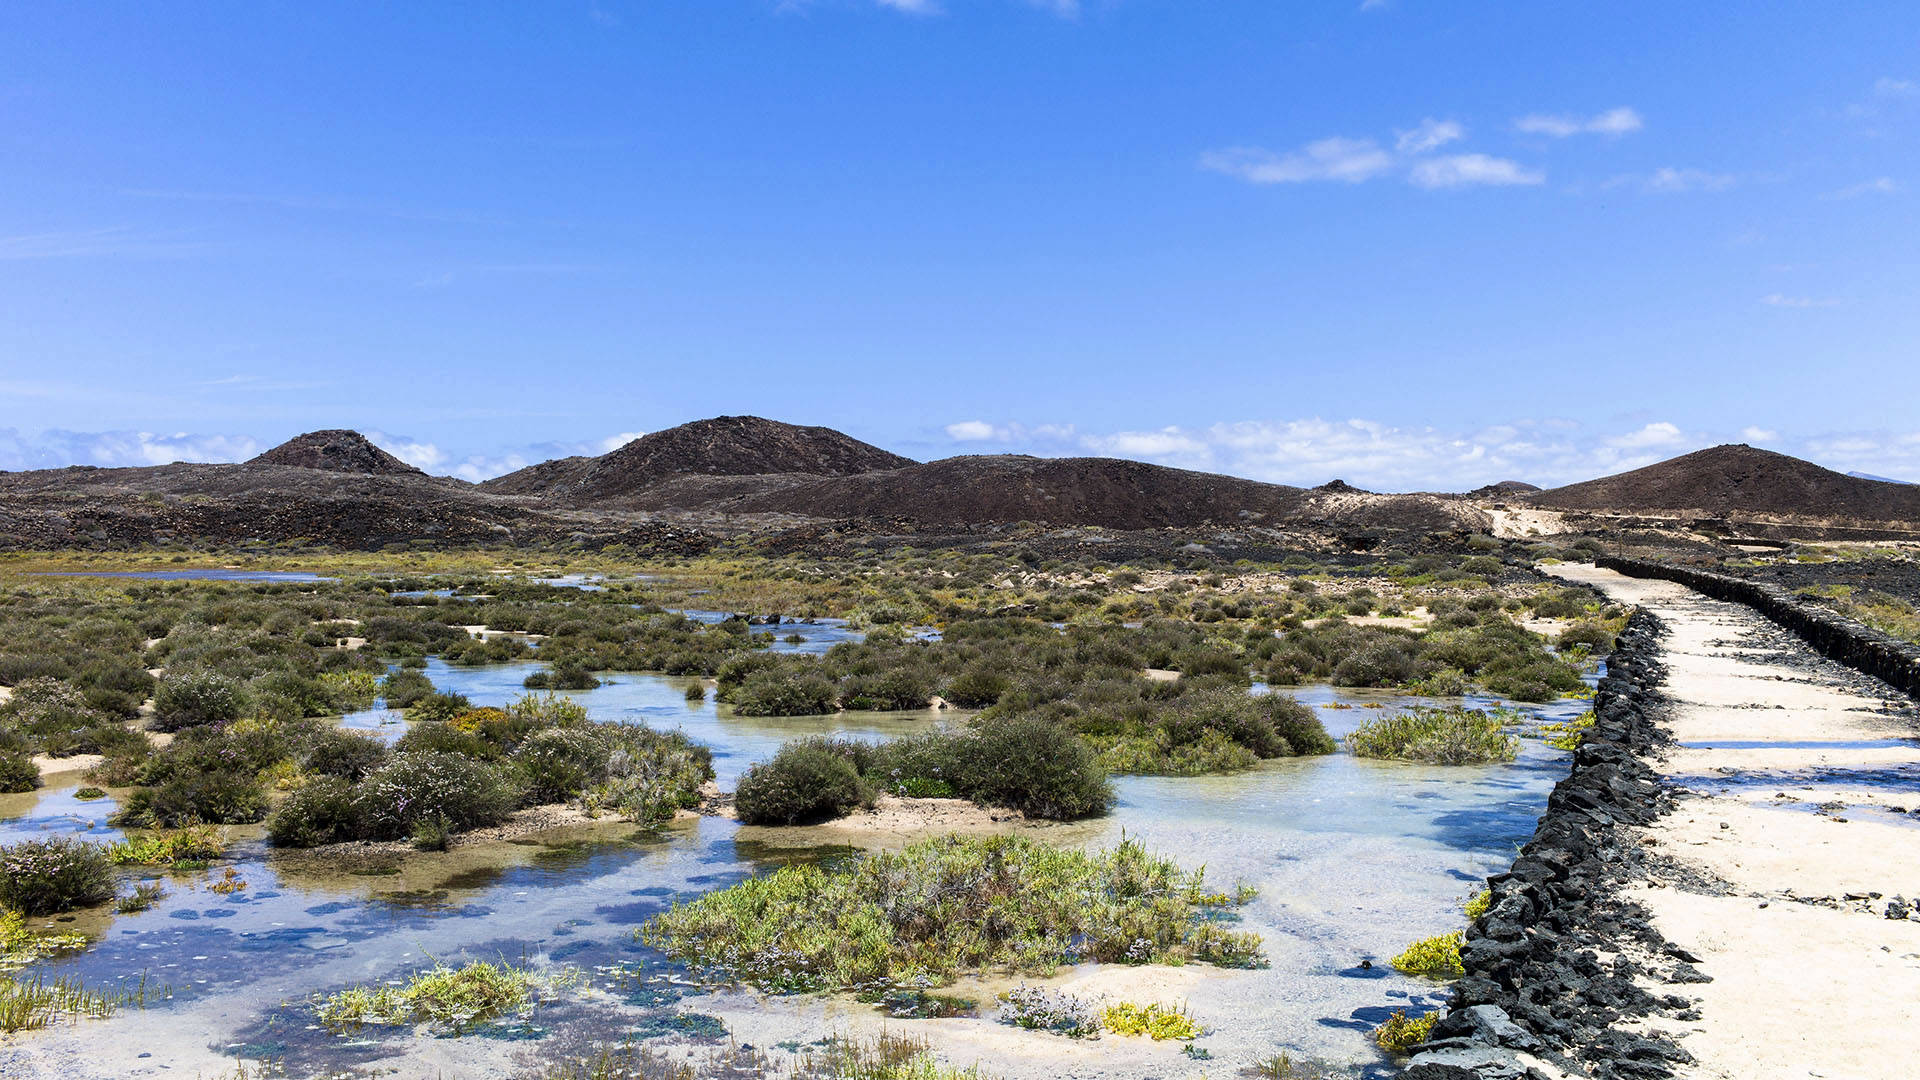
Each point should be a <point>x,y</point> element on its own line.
<point>1353,859</point>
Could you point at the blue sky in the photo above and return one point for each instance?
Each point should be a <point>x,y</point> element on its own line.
<point>1414,245</point>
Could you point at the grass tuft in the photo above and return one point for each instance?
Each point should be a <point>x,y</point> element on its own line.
<point>1436,957</point>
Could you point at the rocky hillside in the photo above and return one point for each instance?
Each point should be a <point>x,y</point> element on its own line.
<point>1740,480</point>
<point>335,450</point>
<point>722,446</point>
<point>1082,491</point>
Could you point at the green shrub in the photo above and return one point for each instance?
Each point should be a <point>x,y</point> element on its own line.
<point>1155,1021</point>
<point>344,754</point>
<point>46,877</point>
<point>943,907</point>
<point>412,787</point>
<point>805,782</point>
<point>403,687</point>
<point>1438,957</point>
<point>196,697</point>
<point>320,812</point>
<point>1450,735</point>
<point>1039,768</point>
<point>558,763</point>
<point>778,692</point>
<point>1401,1033</point>
<point>18,772</point>
<point>222,796</point>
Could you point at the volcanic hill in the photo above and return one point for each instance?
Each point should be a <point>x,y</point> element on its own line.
<point>1739,479</point>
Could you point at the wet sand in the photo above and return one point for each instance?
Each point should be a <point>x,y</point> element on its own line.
<point>1797,827</point>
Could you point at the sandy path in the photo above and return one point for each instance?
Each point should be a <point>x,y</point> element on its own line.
<point>1797,827</point>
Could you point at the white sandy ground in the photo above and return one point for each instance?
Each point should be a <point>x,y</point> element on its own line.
<point>1786,800</point>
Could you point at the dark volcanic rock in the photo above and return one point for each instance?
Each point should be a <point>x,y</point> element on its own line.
<point>336,450</point>
<point>1741,480</point>
<point>1534,978</point>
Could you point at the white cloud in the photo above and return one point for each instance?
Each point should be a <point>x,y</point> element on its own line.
<point>1759,434</point>
<point>1779,300</point>
<point>57,448</point>
<point>615,442</point>
<point>1896,88</point>
<point>970,431</point>
<point>1659,433</point>
<point>1612,122</point>
<point>911,7</point>
<point>1468,170</point>
<point>417,453</point>
<point>1879,185</point>
<point>1347,160</point>
<point>93,243</point>
<point>1678,181</point>
<point>1169,444</point>
<point>1430,135</point>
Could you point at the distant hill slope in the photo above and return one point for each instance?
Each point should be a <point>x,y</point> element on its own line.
<point>1105,492</point>
<point>722,446</point>
<point>1082,491</point>
<point>335,450</point>
<point>1740,479</point>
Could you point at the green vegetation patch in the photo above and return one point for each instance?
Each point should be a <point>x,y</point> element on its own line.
<point>1448,735</point>
<point>941,907</point>
<point>1401,1033</point>
<point>453,999</point>
<point>1436,957</point>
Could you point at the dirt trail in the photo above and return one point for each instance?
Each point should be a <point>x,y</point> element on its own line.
<point>1790,861</point>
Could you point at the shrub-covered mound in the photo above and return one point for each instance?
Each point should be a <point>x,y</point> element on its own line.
<point>1028,764</point>
<point>481,765</point>
<point>943,907</point>
<point>1441,736</point>
<point>46,877</point>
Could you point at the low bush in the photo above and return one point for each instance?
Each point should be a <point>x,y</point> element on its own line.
<point>1401,1033</point>
<point>18,773</point>
<point>1436,957</point>
<point>218,796</point>
<point>1039,1009</point>
<point>196,844</point>
<point>195,697</point>
<point>1156,1021</point>
<point>943,907</point>
<point>320,812</point>
<point>806,782</point>
<point>780,692</point>
<point>413,787</point>
<point>46,877</point>
<point>1449,735</point>
<point>454,999</point>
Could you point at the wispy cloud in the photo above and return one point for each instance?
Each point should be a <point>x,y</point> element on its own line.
<point>1879,185</point>
<point>1889,87</point>
<point>1353,161</point>
<point>1467,170</point>
<point>1613,122</point>
<point>114,242</point>
<point>1430,135</point>
<point>911,7</point>
<point>1678,181</point>
<point>1781,301</point>
<point>1345,160</point>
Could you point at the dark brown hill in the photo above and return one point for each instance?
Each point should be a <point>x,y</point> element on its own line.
<point>335,450</point>
<point>1082,491</point>
<point>722,446</point>
<point>1503,489</point>
<point>1741,480</point>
